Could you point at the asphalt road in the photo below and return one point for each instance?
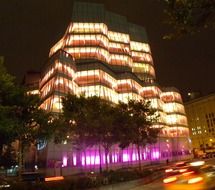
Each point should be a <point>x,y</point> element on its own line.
<point>158,185</point>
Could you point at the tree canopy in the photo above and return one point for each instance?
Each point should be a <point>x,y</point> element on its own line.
<point>7,94</point>
<point>93,121</point>
<point>189,16</point>
<point>20,115</point>
<point>140,131</point>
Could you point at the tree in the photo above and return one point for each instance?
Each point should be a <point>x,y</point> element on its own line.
<point>140,131</point>
<point>8,157</point>
<point>76,122</point>
<point>103,114</point>
<point>189,16</point>
<point>30,122</point>
<point>6,127</point>
<point>7,93</point>
<point>122,122</point>
<point>7,86</point>
<point>93,123</point>
<point>20,115</point>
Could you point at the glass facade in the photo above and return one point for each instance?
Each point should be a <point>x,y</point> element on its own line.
<point>104,55</point>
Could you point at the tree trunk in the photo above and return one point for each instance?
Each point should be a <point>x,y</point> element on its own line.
<point>100,160</point>
<point>36,161</point>
<point>94,158</point>
<point>106,160</point>
<point>139,160</point>
<point>121,157</point>
<point>20,157</point>
<point>1,149</point>
<point>85,159</point>
<point>129,155</point>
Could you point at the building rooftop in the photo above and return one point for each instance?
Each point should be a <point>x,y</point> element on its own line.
<point>202,98</point>
<point>94,13</point>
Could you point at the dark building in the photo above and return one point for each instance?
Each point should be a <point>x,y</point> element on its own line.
<point>31,81</point>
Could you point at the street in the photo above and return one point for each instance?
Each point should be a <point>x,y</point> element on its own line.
<point>158,184</point>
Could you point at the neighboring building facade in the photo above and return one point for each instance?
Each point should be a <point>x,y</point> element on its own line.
<point>31,82</point>
<point>193,95</point>
<point>103,54</point>
<point>201,121</point>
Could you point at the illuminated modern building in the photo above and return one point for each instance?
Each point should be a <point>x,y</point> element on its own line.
<point>201,120</point>
<point>102,54</point>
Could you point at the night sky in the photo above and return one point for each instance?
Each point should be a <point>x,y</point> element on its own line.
<point>29,28</point>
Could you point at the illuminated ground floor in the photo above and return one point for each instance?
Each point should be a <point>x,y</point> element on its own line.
<point>64,159</point>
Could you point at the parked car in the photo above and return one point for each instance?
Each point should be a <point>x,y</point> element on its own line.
<point>32,176</point>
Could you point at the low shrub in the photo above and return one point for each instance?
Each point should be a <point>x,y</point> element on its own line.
<point>85,182</point>
<point>126,175</point>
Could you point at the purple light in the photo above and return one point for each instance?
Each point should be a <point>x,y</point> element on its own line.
<point>134,158</point>
<point>147,149</point>
<point>125,157</point>
<point>91,156</point>
<point>97,160</point>
<point>88,160</point>
<point>74,160</point>
<point>141,158</point>
<point>114,158</point>
<point>92,160</point>
<point>144,156</point>
<point>65,159</point>
<point>82,161</point>
<point>104,161</point>
<point>155,155</point>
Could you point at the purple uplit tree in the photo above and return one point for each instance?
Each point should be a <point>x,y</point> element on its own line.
<point>139,130</point>
<point>77,125</point>
<point>95,123</point>
<point>102,117</point>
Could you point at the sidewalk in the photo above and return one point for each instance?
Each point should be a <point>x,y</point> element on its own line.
<point>131,184</point>
<point>157,174</point>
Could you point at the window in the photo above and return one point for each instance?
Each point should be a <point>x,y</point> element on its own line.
<point>208,123</point>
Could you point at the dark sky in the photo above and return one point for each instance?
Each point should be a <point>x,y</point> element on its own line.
<point>29,28</point>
